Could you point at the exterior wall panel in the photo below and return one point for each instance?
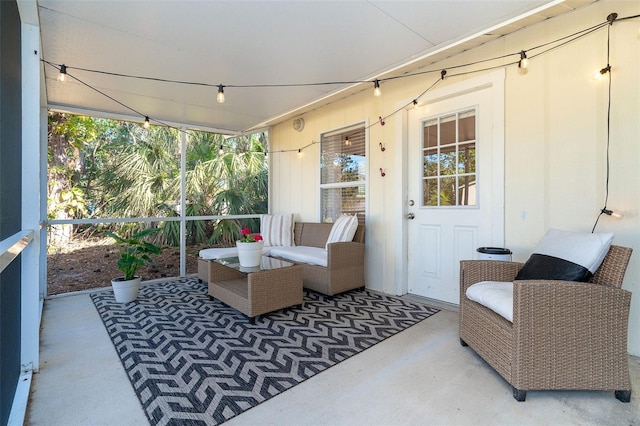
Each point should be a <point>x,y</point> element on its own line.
<point>555,128</point>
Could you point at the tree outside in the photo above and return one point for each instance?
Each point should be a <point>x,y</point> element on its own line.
<point>100,168</point>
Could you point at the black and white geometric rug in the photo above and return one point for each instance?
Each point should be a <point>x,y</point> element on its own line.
<point>199,362</point>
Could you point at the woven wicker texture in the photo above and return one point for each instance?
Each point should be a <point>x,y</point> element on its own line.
<point>256,293</point>
<point>564,335</point>
<point>345,261</point>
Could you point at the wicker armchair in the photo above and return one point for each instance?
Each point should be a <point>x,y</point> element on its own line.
<point>564,335</point>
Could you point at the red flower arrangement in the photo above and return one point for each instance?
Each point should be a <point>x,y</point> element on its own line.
<point>247,237</point>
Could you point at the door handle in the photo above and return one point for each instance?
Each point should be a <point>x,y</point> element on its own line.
<point>410,216</point>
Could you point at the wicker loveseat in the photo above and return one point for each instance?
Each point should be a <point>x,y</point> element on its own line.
<point>344,268</point>
<point>345,260</point>
<point>564,335</point>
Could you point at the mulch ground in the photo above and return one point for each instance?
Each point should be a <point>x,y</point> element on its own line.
<point>84,265</point>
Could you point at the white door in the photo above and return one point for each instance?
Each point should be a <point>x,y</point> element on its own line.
<point>455,187</point>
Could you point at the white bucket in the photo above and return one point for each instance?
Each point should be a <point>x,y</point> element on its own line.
<point>494,253</point>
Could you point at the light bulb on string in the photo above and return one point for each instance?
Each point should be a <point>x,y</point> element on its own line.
<point>599,75</point>
<point>146,123</point>
<point>376,88</point>
<point>612,213</point>
<point>63,73</point>
<point>524,62</point>
<point>220,96</point>
<point>347,142</point>
<point>221,150</point>
<point>415,103</point>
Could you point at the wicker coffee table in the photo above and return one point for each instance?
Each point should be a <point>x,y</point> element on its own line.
<point>274,285</point>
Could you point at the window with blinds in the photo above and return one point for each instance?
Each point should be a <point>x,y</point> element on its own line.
<point>343,172</point>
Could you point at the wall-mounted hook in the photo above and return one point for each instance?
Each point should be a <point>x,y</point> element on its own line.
<point>381,120</point>
<point>382,148</point>
<point>382,173</point>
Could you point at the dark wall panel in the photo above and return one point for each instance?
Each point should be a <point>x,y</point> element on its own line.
<point>10,199</point>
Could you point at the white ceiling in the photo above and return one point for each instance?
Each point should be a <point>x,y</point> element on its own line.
<point>252,43</point>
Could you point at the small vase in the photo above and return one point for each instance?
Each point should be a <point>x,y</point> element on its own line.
<point>250,254</point>
<point>125,291</point>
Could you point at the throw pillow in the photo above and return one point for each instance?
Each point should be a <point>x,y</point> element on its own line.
<point>566,255</point>
<point>343,230</point>
<point>277,230</point>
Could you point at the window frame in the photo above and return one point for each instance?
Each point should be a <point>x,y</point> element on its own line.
<point>457,144</point>
<point>361,184</point>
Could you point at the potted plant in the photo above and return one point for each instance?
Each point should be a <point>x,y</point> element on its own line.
<point>134,253</point>
<point>249,248</point>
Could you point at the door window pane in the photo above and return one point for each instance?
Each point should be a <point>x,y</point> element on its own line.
<point>448,130</point>
<point>467,158</point>
<point>467,126</point>
<point>430,138</point>
<point>431,163</point>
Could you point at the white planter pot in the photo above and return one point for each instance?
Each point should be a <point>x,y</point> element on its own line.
<point>125,291</point>
<point>250,254</point>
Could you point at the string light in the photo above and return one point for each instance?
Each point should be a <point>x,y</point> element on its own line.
<point>523,63</point>
<point>604,71</point>
<point>221,150</point>
<point>347,142</point>
<point>376,88</point>
<point>63,73</point>
<point>146,123</point>
<point>220,96</point>
<point>612,213</point>
<point>566,39</point>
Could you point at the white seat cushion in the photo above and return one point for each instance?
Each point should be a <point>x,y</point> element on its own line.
<point>222,252</point>
<point>495,295</point>
<point>302,254</point>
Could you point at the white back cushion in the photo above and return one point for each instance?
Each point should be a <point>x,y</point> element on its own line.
<point>343,230</point>
<point>584,248</point>
<point>566,255</point>
<point>277,230</point>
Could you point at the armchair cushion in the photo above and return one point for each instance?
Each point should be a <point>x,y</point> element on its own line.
<point>495,295</point>
<point>567,256</point>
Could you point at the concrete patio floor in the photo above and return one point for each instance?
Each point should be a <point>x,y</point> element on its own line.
<point>420,376</point>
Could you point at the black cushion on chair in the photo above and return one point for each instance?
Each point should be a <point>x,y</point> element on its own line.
<point>543,267</point>
<point>567,256</point>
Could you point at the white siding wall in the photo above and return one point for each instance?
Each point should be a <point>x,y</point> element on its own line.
<point>555,149</point>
